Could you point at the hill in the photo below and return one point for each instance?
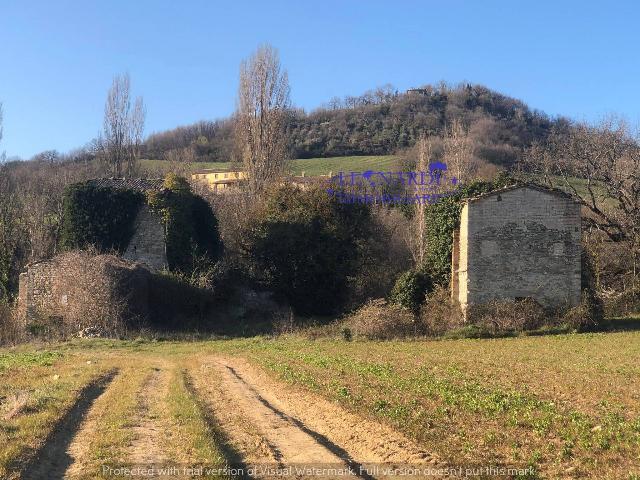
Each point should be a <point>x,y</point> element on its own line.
<point>379,122</point>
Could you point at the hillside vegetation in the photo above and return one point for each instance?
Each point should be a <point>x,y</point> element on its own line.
<point>309,166</point>
<point>379,122</point>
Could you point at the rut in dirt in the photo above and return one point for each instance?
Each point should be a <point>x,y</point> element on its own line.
<point>273,423</point>
<point>53,459</point>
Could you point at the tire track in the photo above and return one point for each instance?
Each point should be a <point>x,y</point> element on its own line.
<point>54,457</point>
<point>297,428</point>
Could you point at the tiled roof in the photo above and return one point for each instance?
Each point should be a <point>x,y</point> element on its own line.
<point>533,186</point>
<point>138,184</point>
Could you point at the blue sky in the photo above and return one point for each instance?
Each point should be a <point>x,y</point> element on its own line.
<point>57,58</point>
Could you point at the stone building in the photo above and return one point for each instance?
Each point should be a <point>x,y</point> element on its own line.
<point>148,243</point>
<point>519,242</point>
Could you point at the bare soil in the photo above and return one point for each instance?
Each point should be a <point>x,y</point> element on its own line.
<point>269,422</point>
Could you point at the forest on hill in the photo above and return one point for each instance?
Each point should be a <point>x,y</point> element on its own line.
<point>379,122</point>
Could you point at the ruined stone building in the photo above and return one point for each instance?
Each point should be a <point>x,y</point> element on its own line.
<point>148,243</point>
<point>516,243</point>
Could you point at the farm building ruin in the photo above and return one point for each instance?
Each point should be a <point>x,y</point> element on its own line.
<point>516,243</point>
<point>148,243</point>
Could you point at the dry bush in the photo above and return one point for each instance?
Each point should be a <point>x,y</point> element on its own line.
<point>11,328</point>
<point>588,315</point>
<point>439,313</point>
<point>379,320</point>
<point>503,316</point>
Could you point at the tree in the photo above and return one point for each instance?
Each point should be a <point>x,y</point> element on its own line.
<point>599,165</point>
<point>123,128</point>
<point>305,246</point>
<point>263,101</point>
<point>458,151</point>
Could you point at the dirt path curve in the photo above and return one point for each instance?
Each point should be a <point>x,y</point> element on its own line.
<point>269,421</point>
<point>56,456</point>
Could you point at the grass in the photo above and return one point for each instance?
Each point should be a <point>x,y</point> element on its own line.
<point>310,166</point>
<point>568,405</point>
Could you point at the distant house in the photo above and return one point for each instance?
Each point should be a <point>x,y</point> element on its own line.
<point>516,243</point>
<point>219,180</point>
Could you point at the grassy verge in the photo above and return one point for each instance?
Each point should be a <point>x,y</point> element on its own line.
<point>37,388</point>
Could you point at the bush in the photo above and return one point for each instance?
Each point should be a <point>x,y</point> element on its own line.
<point>502,316</point>
<point>304,247</point>
<point>410,290</point>
<point>589,315</point>
<point>11,329</point>
<point>439,313</point>
<point>379,320</point>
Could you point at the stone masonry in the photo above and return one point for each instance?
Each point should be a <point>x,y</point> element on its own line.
<point>148,246</point>
<point>516,243</point>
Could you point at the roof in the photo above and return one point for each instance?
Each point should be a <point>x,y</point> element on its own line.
<point>138,184</point>
<point>533,186</point>
<point>216,170</point>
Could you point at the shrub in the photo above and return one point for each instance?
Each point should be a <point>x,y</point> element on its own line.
<point>379,320</point>
<point>304,247</point>
<point>11,329</point>
<point>410,290</point>
<point>589,315</point>
<point>504,316</point>
<point>439,313</point>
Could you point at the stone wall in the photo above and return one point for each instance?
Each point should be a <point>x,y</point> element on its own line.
<point>520,243</point>
<point>147,246</point>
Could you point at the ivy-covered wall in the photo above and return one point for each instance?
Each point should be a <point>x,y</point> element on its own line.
<point>98,216</point>
<point>104,217</point>
<point>442,218</point>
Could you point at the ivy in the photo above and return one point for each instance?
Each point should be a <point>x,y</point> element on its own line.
<point>98,216</point>
<point>443,218</point>
<point>191,227</point>
<point>103,217</point>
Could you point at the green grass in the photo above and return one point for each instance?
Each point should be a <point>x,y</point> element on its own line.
<point>310,166</point>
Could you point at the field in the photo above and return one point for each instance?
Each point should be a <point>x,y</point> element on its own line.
<point>310,166</point>
<point>568,405</point>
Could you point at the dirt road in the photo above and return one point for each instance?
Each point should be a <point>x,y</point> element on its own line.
<point>268,421</point>
<point>264,424</point>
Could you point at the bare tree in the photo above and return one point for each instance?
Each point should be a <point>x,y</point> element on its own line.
<point>599,165</point>
<point>458,151</point>
<point>420,242</point>
<point>123,128</point>
<point>263,100</point>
